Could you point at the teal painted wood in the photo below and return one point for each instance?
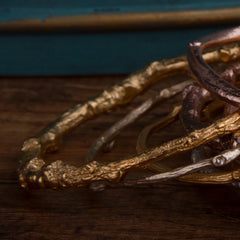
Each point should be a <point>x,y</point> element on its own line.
<point>24,9</point>
<point>71,53</point>
<point>99,53</point>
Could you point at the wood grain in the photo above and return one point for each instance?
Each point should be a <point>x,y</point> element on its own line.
<point>169,210</point>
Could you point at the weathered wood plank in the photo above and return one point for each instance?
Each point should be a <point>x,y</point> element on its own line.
<point>166,211</point>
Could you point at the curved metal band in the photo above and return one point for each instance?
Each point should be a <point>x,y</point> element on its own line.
<point>143,136</point>
<point>206,76</point>
<point>183,174</point>
<point>107,138</point>
<point>35,172</point>
<point>196,97</point>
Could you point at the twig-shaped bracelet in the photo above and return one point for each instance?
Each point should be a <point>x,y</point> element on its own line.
<point>60,175</point>
<point>218,161</point>
<point>207,77</point>
<point>115,129</point>
<point>34,172</point>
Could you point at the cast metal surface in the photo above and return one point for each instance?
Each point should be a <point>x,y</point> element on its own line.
<point>60,175</point>
<point>217,161</point>
<point>114,130</point>
<point>35,173</point>
<point>206,76</point>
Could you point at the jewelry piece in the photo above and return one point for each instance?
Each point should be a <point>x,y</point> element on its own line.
<point>114,130</point>
<point>196,97</point>
<point>59,175</point>
<point>217,161</point>
<point>35,173</point>
<point>146,132</point>
<point>167,173</point>
<point>205,74</point>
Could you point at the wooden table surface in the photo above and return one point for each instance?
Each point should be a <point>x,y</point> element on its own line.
<point>169,210</point>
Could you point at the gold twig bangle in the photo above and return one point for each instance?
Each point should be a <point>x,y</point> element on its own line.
<point>34,172</point>
<point>115,129</point>
<point>59,175</point>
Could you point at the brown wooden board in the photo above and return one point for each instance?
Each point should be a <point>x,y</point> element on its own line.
<point>169,210</point>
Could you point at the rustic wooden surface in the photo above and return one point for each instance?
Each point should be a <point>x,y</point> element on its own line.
<point>169,210</point>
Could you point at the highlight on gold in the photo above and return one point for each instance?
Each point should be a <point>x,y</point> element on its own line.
<point>211,69</point>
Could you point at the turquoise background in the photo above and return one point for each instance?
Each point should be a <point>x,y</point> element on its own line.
<point>77,53</point>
